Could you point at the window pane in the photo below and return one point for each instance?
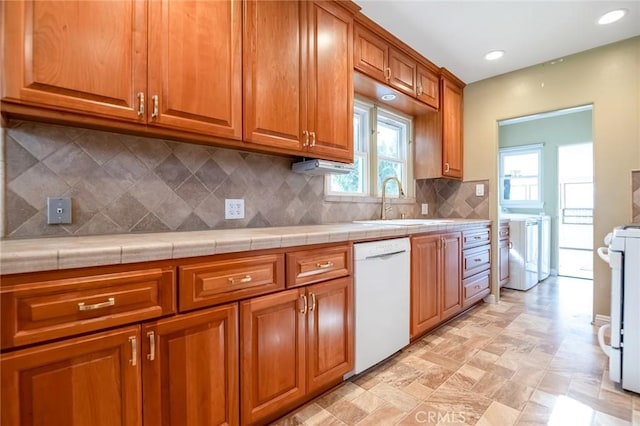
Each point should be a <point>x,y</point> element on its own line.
<point>520,189</point>
<point>389,140</point>
<point>525,164</point>
<point>389,168</point>
<point>352,183</point>
<point>357,137</point>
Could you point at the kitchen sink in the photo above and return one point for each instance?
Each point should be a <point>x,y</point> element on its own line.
<point>405,222</point>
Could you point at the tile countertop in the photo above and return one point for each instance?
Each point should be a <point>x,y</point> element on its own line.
<point>43,254</point>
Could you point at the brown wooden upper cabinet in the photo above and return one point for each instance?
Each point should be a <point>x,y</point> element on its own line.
<point>298,79</point>
<point>452,143</point>
<point>162,63</point>
<point>380,59</point>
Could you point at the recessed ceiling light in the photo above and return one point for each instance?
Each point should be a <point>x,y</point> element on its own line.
<point>494,54</point>
<point>611,17</point>
<point>388,97</point>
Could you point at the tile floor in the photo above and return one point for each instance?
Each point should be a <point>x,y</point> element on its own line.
<point>533,359</point>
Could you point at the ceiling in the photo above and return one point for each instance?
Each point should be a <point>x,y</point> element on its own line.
<point>456,34</point>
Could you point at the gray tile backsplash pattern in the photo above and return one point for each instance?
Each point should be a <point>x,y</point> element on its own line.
<point>123,183</point>
<point>635,196</point>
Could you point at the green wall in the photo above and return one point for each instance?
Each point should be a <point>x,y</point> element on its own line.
<point>554,131</point>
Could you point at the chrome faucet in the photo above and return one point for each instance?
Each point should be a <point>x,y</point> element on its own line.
<point>384,209</point>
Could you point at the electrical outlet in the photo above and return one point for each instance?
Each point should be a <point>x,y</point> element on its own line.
<point>480,190</point>
<point>234,208</point>
<point>425,208</point>
<point>58,210</point>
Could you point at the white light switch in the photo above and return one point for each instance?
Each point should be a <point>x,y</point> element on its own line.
<point>425,208</point>
<point>480,190</point>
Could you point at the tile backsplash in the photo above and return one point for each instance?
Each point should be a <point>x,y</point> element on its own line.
<point>635,196</point>
<point>123,183</point>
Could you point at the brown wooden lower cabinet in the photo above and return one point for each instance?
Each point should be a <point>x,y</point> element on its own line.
<point>435,280</point>
<point>190,369</point>
<point>92,380</point>
<point>294,344</point>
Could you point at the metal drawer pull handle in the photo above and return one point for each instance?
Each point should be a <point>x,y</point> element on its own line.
<point>134,351</point>
<point>152,346</point>
<point>140,104</point>
<point>313,302</point>
<point>510,245</point>
<point>110,302</point>
<point>154,113</point>
<point>246,279</point>
<point>313,138</point>
<point>478,287</point>
<point>303,310</point>
<point>324,265</point>
<point>477,259</point>
<point>477,237</point>
<point>387,73</point>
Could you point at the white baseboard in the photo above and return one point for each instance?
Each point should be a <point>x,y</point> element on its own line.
<point>601,320</point>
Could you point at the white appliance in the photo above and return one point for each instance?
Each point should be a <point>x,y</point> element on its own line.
<point>382,270</point>
<point>530,253</point>
<point>623,256</point>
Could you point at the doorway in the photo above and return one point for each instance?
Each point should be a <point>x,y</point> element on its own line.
<point>575,224</point>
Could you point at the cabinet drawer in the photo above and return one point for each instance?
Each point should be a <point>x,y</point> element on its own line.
<point>475,288</point>
<point>476,237</point>
<point>312,266</point>
<point>476,260</point>
<point>43,310</point>
<point>220,281</point>
<point>503,232</point>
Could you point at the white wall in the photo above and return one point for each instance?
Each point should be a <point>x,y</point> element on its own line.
<point>607,77</point>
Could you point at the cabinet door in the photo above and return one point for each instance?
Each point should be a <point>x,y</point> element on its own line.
<point>273,357</point>
<point>503,261</point>
<point>330,81</point>
<point>92,380</point>
<point>425,294</point>
<point>371,53</point>
<point>428,87</point>
<point>330,332</point>
<point>190,369</point>
<point>403,72</point>
<point>195,66</point>
<point>451,274</point>
<point>275,98</point>
<point>87,57</point>
<point>451,130</point>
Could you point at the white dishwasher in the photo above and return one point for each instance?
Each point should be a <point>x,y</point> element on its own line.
<point>382,278</point>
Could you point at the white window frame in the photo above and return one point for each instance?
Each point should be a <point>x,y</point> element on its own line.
<point>370,114</point>
<point>537,149</point>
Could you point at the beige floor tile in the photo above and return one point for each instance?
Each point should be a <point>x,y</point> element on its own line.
<point>395,397</point>
<point>347,412</point>
<point>555,383</point>
<point>385,415</point>
<point>498,415</point>
<point>489,384</point>
<point>513,394</point>
<point>602,419</point>
<point>543,398</point>
<point>418,390</point>
<point>368,402</point>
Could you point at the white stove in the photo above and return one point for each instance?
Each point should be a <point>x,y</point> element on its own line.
<point>623,256</point>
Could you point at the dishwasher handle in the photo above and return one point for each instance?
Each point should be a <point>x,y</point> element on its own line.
<point>385,255</point>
